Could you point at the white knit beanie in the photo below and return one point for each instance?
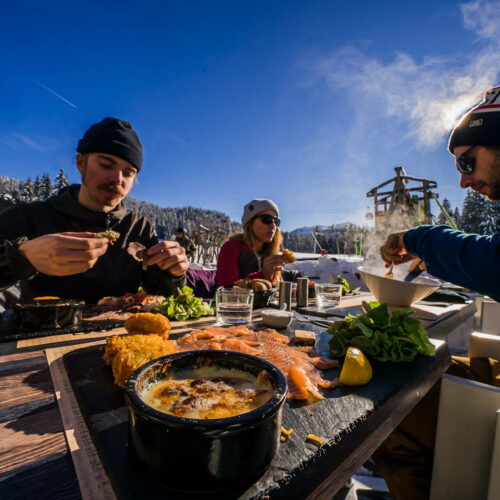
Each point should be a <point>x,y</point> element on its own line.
<point>256,206</point>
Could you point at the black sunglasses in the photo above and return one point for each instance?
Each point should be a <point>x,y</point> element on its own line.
<point>269,219</point>
<point>466,165</point>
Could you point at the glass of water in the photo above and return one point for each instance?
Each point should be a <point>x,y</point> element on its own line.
<point>327,295</point>
<point>233,306</point>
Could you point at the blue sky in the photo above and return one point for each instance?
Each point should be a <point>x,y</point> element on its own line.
<point>308,103</point>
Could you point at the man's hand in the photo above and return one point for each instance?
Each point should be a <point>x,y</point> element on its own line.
<point>63,254</point>
<point>272,265</point>
<point>417,263</point>
<point>169,256</point>
<point>394,251</point>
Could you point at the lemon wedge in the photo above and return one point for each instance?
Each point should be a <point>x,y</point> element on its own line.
<point>356,370</point>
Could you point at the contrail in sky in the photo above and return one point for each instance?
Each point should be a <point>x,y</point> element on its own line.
<point>54,93</point>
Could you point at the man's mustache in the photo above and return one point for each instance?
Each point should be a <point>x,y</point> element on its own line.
<point>113,187</point>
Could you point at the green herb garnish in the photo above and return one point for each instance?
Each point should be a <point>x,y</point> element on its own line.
<point>382,335</point>
<point>184,306</point>
<point>344,283</point>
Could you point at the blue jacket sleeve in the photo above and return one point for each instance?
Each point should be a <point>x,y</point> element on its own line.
<point>468,260</point>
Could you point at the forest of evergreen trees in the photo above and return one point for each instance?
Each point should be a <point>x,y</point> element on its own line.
<point>166,220</point>
<point>477,216</point>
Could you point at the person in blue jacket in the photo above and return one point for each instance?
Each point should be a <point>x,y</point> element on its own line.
<point>468,260</point>
<point>473,261</point>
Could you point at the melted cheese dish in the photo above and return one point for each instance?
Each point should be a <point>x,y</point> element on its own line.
<point>208,392</point>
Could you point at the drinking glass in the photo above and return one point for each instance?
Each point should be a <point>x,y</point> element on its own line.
<point>327,295</point>
<point>233,306</point>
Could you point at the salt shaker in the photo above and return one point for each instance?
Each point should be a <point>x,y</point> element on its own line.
<point>302,292</point>
<point>286,294</point>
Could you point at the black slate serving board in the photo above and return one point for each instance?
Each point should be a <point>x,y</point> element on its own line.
<point>345,420</point>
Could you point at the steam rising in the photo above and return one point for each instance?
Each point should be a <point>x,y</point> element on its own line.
<point>399,220</point>
<point>430,96</point>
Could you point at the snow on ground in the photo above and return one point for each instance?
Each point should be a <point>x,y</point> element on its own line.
<point>324,268</point>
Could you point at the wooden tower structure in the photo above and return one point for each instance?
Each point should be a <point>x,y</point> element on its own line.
<point>403,206</point>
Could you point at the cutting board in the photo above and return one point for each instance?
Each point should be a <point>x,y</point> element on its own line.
<point>434,310</point>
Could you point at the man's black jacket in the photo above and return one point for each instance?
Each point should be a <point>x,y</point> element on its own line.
<point>115,273</point>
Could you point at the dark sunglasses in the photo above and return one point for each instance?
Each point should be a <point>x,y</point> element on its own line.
<point>269,219</point>
<point>466,165</point>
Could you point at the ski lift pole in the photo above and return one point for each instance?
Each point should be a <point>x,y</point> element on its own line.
<point>316,242</point>
<point>446,214</point>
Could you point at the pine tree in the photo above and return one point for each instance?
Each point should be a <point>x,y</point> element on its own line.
<point>28,191</point>
<point>489,219</point>
<point>456,218</point>
<point>497,212</point>
<point>61,181</point>
<point>37,187</point>
<point>46,187</point>
<point>472,211</point>
<point>442,217</point>
<point>6,199</point>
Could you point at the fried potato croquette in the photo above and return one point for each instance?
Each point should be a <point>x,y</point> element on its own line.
<point>126,353</point>
<point>148,323</point>
<point>288,256</point>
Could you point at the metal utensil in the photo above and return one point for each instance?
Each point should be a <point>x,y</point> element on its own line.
<point>389,274</point>
<point>413,274</point>
<point>394,244</point>
<point>303,319</point>
<point>417,271</point>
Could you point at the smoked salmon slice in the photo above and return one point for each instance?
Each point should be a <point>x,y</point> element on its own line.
<point>301,366</point>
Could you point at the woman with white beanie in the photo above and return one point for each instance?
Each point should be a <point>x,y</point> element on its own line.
<point>254,253</point>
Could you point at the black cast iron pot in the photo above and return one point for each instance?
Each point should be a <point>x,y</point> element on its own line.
<point>203,455</point>
<point>48,314</point>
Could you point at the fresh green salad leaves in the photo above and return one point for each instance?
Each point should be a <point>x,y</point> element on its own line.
<point>385,336</point>
<point>184,306</point>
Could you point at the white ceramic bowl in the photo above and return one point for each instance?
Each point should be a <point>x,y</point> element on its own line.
<point>276,318</point>
<point>395,292</point>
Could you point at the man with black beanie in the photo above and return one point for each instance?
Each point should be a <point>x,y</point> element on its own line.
<point>473,261</point>
<point>52,248</point>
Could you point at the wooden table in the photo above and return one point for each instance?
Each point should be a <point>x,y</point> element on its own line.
<point>35,461</point>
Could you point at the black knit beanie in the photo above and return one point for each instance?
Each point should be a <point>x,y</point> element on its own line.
<point>481,125</point>
<point>114,137</point>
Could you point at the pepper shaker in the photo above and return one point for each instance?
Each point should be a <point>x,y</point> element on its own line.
<point>302,292</point>
<point>286,294</point>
